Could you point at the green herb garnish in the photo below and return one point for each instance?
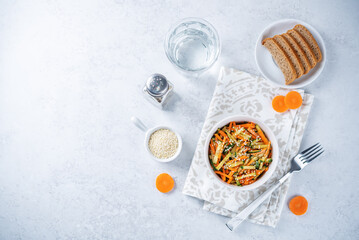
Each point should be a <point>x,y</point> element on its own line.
<point>257,165</point>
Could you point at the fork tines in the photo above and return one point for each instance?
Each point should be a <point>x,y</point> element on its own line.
<point>311,153</point>
<point>310,148</point>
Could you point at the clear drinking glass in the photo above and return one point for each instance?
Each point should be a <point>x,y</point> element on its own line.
<point>192,45</point>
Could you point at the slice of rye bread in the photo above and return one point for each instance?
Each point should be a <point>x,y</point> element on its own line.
<point>291,54</point>
<point>304,45</point>
<point>281,59</point>
<point>299,52</point>
<point>308,37</point>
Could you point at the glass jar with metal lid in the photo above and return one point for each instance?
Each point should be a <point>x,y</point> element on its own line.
<point>157,89</point>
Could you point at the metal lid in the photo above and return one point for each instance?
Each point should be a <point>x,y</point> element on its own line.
<point>157,84</point>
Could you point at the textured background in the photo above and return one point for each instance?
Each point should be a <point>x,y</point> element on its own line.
<point>73,167</point>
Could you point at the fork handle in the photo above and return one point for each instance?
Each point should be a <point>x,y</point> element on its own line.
<point>240,217</point>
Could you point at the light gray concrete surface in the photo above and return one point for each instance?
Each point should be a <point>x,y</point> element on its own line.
<point>73,167</point>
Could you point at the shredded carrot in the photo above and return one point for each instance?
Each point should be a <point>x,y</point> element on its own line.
<point>247,125</point>
<point>253,133</point>
<point>261,134</point>
<point>222,174</point>
<point>212,147</point>
<point>218,137</point>
<point>233,169</point>
<point>246,150</point>
<point>231,161</point>
<point>223,134</point>
<point>230,126</point>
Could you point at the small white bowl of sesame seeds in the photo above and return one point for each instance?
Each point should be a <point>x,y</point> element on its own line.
<point>162,143</point>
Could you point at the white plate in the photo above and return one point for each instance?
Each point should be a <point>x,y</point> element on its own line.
<point>266,64</point>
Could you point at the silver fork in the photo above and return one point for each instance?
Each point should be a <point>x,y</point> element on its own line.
<point>298,163</point>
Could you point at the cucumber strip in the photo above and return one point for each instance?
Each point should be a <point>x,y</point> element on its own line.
<point>248,167</point>
<point>225,159</point>
<point>254,151</point>
<point>235,164</point>
<point>260,146</point>
<point>247,175</point>
<point>231,137</point>
<point>218,152</point>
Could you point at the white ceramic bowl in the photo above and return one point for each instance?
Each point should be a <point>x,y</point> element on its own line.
<point>147,139</point>
<point>267,132</point>
<point>266,64</point>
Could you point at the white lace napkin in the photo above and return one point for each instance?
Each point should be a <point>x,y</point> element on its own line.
<point>239,92</point>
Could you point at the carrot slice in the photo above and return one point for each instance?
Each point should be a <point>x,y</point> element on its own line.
<point>164,183</point>
<point>298,205</point>
<point>293,100</point>
<point>278,104</point>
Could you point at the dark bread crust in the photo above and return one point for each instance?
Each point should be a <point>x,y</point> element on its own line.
<point>304,45</point>
<point>291,54</point>
<point>308,37</point>
<point>295,52</point>
<point>281,59</point>
<point>299,52</point>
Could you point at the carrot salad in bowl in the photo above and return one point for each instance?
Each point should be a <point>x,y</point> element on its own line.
<point>240,153</point>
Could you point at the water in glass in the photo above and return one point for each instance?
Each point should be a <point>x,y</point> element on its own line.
<point>192,45</point>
